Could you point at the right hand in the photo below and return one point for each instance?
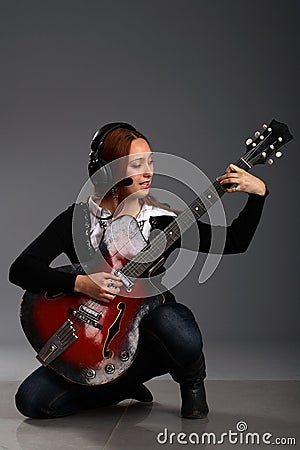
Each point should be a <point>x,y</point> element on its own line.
<point>96,286</point>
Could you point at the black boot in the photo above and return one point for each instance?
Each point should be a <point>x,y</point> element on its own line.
<point>192,389</point>
<point>140,392</point>
<point>194,405</point>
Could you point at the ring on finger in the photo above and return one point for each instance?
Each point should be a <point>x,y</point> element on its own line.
<point>111,284</point>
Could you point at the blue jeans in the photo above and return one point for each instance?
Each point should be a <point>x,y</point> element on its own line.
<point>170,341</point>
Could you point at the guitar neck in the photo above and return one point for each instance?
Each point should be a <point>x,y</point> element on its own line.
<point>159,245</point>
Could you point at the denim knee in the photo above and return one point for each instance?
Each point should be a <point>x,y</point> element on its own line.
<point>175,325</point>
<point>45,394</point>
<point>38,406</point>
<point>27,404</point>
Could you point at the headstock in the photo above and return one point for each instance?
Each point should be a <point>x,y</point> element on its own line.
<point>267,143</point>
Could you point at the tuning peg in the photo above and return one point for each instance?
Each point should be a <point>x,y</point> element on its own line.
<point>253,144</point>
<point>265,126</point>
<point>270,129</point>
<point>263,154</point>
<point>270,161</point>
<point>278,154</point>
<point>257,134</point>
<point>249,141</point>
<point>272,147</point>
<point>261,137</point>
<point>280,139</point>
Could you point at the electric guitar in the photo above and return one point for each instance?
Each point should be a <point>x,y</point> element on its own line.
<point>90,342</point>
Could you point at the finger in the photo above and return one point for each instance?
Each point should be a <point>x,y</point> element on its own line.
<point>111,276</point>
<point>234,168</point>
<point>228,180</point>
<point>225,176</point>
<point>106,297</point>
<point>226,171</point>
<point>118,283</point>
<point>112,284</point>
<point>232,189</point>
<point>109,295</point>
<point>231,168</point>
<point>113,290</point>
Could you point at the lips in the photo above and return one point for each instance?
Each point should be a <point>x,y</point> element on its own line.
<point>145,185</point>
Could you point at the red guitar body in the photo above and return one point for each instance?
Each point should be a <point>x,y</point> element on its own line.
<point>88,341</point>
<point>96,355</point>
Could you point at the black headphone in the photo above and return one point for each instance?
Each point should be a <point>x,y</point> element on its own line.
<point>103,178</point>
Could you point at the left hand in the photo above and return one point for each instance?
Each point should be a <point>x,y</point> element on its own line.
<point>245,182</point>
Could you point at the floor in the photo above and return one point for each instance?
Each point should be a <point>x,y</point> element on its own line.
<point>260,406</point>
<point>225,361</point>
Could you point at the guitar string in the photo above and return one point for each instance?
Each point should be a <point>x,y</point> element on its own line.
<point>131,271</point>
<point>160,240</point>
<point>132,266</point>
<point>79,322</point>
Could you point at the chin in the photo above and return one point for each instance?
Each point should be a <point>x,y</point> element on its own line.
<point>144,193</point>
<point>141,193</point>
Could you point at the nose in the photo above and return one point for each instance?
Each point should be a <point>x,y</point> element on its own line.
<point>148,170</point>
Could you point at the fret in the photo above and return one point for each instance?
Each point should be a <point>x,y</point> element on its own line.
<point>163,241</point>
<point>209,198</point>
<point>183,222</point>
<point>198,208</point>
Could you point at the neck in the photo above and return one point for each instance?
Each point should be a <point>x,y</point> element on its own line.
<point>129,206</point>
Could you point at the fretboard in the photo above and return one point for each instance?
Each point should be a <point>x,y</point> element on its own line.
<point>159,245</point>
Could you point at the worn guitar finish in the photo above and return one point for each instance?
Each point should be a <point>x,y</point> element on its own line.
<point>91,342</point>
<point>99,342</point>
<point>86,340</point>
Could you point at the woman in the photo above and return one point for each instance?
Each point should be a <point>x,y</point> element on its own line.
<point>46,394</point>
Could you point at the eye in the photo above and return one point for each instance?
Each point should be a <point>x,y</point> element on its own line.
<point>136,166</point>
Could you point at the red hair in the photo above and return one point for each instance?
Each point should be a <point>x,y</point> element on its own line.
<point>117,145</point>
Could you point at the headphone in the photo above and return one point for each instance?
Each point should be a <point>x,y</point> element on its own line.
<point>104,178</point>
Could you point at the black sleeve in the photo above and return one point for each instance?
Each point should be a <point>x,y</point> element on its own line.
<point>31,269</point>
<point>238,235</point>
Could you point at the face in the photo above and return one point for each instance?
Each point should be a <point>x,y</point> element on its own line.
<point>139,168</point>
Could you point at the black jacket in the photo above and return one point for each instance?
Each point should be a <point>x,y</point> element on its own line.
<point>71,230</point>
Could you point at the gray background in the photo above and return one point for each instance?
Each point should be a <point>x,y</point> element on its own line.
<point>197,77</point>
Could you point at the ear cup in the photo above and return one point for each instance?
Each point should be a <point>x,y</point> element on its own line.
<point>100,174</point>
<point>98,168</point>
